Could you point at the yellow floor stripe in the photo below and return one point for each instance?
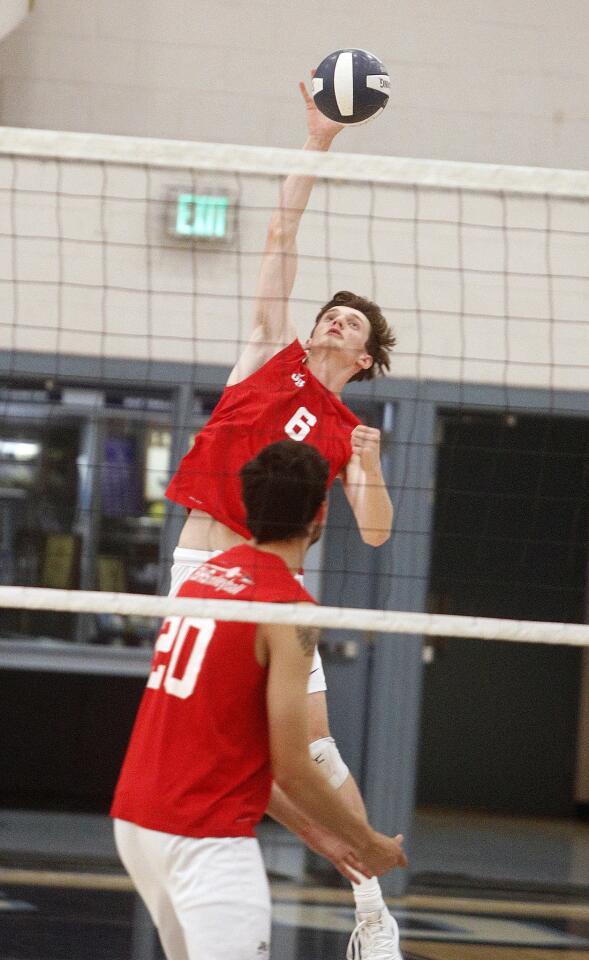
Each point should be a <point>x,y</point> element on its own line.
<point>295,892</point>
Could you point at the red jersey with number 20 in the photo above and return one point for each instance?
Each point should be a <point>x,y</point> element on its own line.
<point>198,762</point>
<point>282,399</point>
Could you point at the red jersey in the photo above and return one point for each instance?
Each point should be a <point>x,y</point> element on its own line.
<point>281,399</point>
<point>198,762</point>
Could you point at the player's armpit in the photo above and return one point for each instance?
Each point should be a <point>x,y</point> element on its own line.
<point>258,350</point>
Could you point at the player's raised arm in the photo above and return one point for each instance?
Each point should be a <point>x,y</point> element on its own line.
<point>272,328</point>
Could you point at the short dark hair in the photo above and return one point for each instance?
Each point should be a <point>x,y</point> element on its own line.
<point>381,339</point>
<point>282,489</point>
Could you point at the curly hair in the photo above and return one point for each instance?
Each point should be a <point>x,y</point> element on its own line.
<point>381,339</point>
<point>282,489</point>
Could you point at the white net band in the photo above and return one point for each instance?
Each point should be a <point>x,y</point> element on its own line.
<point>237,159</point>
<point>335,618</point>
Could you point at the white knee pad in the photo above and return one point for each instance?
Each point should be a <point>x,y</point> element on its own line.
<point>327,757</point>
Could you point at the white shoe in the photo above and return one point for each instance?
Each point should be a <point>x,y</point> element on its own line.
<point>375,937</point>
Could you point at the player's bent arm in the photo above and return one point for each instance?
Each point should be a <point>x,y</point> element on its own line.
<point>371,505</point>
<point>290,650</point>
<point>284,811</point>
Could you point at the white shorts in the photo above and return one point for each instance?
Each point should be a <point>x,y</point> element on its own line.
<point>184,563</point>
<point>209,898</point>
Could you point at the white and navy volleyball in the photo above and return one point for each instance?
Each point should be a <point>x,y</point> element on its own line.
<point>351,86</point>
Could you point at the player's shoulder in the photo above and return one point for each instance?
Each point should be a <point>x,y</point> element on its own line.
<point>293,639</point>
<point>280,354</point>
<point>260,357</point>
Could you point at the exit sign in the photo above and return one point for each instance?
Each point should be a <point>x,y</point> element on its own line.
<point>202,216</point>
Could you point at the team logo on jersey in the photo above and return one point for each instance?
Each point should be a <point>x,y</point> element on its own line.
<point>299,379</point>
<point>230,580</point>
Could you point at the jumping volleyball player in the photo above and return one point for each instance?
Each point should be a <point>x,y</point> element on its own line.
<point>278,389</point>
<point>224,713</point>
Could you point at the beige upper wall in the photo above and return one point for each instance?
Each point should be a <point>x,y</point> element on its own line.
<point>505,81</point>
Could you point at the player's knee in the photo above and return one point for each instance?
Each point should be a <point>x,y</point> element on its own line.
<point>328,759</point>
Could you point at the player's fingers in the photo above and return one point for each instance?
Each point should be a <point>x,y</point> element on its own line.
<point>356,873</point>
<point>402,859</point>
<point>354,876</point>
<point>306,96</point>
<point>356,864</point>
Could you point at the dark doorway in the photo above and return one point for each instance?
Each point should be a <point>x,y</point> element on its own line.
<point>510,540</point>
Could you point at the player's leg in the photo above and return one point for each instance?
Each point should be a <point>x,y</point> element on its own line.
<point>221,897</point>
<point>376,930</point>
<point>143,853</point>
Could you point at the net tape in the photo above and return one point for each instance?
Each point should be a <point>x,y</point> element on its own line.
<point>335,618</point>
<point>276,161</point>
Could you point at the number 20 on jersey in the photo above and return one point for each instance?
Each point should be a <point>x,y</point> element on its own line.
<point>178,633</point>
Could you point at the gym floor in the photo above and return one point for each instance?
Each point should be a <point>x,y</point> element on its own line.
<point>64,897</point>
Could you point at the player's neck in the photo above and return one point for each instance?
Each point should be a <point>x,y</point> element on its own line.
<point>291,551</point>
<point>333,375</point>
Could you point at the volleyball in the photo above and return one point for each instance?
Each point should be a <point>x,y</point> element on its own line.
<point>351,86</point>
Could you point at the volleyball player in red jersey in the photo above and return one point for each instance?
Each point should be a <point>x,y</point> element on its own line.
<point>223,714</point>
<point>280,388</point>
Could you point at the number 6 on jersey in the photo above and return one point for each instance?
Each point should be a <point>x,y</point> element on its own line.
<point>299,425</point>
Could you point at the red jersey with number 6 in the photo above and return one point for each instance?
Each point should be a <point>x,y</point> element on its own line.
<point>281,399</point>
<point>198,762</point>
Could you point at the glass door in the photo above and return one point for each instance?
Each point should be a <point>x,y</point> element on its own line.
<point>39,545</point>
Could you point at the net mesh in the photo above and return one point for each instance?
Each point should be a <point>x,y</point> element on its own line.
<point>115,337</point>
<point>484,285</point>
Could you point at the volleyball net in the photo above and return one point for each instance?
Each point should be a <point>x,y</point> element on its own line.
<point>128,270</point>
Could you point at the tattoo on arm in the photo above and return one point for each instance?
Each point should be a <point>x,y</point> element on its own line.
<point>308,637</point>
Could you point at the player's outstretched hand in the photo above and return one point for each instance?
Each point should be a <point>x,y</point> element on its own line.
<point>320,127</point>
<point>383,853</point>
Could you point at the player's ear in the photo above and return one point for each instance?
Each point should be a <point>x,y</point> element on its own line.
<point>321,513</point>
<point>365,361</point>
<point>318,521</point>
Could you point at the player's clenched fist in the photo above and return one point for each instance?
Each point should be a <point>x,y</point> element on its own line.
<point>366,445</point>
